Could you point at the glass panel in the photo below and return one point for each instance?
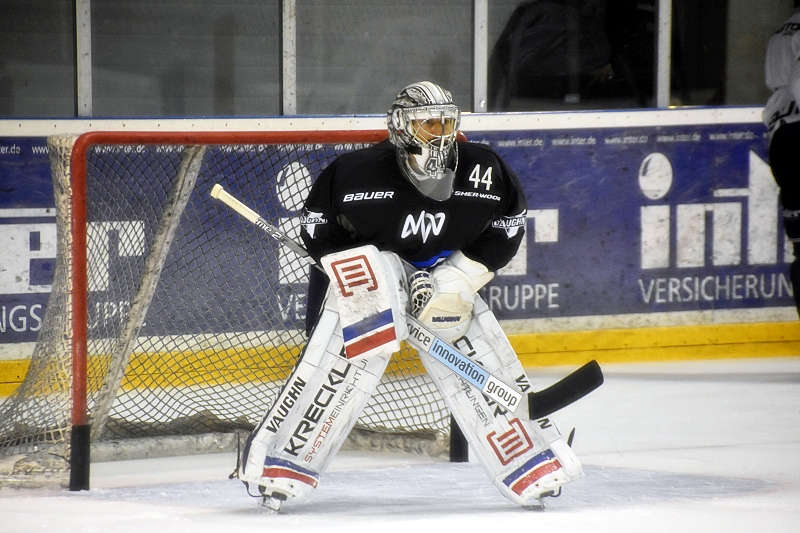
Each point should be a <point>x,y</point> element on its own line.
<point>698,52</point>
<point>718,50</point>
<point>222,58</point>
<point>571,54</point>
<point>353,57</point>
<point>186,58</point>
<point>37,76</point>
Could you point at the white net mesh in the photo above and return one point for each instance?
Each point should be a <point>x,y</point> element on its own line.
<point>195,317</point>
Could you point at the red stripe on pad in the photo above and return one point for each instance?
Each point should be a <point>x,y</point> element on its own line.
<point>535,474</point>
<point>368,343</point>
<point>291,474</point>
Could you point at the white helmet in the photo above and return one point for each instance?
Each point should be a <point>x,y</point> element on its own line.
<point>423,122</point>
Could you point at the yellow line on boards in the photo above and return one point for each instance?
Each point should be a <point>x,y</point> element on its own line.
<point>671,343</point>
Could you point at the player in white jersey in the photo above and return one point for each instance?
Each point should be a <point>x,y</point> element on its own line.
<point>782,118</point>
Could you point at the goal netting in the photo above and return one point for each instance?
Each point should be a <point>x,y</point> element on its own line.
<point>187,318</point>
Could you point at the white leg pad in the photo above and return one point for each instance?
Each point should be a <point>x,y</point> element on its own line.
<point>525,459</point>
<point>312,416</point>
<point>362,324</point>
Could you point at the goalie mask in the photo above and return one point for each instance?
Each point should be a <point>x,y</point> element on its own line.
<point>423,122</point>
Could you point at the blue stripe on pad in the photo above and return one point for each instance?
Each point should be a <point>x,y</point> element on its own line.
<point>546,455</point>
<point>274,461</point>
<point>368,324</point>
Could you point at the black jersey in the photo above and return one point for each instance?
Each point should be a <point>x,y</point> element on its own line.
<point>363,198</point>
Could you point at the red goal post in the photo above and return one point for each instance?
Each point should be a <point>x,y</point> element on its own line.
<point>180,318</point>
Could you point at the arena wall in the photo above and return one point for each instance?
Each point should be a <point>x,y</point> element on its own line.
<point>652,235</point>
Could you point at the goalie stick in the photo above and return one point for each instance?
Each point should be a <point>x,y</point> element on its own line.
<point>569,389</point>
<point>420,337</point>
<point>542,403</point>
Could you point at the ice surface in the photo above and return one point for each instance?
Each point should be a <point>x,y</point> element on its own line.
<point>673,447</point>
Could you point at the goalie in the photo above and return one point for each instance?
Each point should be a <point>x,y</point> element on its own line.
<point>414,225</point>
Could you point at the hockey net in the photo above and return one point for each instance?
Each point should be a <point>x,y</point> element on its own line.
<point>186,319</point>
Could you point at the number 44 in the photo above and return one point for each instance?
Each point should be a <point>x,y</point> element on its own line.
<point>477,180</point>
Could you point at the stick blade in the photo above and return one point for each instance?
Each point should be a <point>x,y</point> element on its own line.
<point>570,389</point>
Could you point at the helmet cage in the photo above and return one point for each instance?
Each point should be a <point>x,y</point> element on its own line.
<point>409,126</point>
<point>425,138</point>
<point>433,125</point>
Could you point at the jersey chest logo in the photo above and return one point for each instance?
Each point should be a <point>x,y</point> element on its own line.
<point>423,225</point>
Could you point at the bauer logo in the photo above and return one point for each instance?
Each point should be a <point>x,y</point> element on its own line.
<point>354,273</point>
<point>370,195</point>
